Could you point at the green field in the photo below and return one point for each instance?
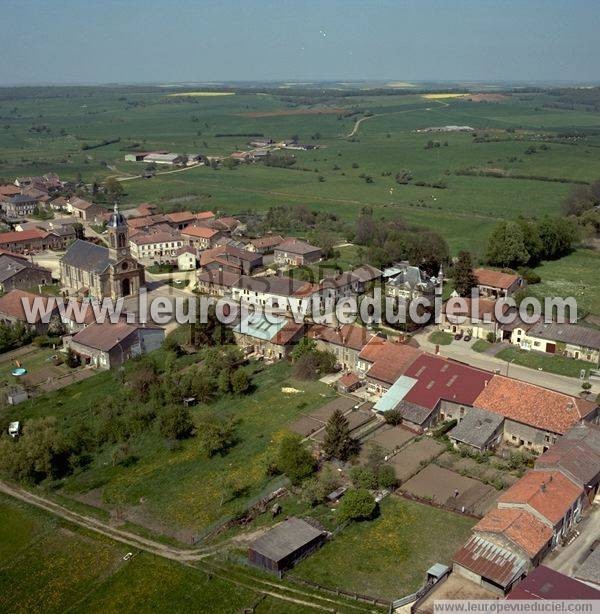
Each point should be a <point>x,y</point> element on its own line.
<point>180,492</point>
<point>388,555</point>
<point>47,566</point>
<point>46,129</point>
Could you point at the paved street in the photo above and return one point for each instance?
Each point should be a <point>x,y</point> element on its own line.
<point>459,350</point>
<point>567,559</point>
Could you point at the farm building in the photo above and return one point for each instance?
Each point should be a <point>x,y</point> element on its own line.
<point>285,544</point>
<point>109,345</point>
<point>171,159</point>
<point>296,252</point>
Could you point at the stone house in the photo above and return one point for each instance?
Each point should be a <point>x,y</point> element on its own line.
<point>109,345</point>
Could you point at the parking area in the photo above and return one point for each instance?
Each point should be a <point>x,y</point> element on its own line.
<point>451,490</point>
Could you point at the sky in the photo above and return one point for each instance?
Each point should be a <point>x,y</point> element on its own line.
<point>169,41</point>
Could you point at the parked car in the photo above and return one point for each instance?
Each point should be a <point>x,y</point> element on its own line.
<point>467,338</point>
<point>458,336</point>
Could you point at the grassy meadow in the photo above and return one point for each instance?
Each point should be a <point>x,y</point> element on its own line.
<point>48,566</point>
<point>179,492</point>
<point>48,131</point>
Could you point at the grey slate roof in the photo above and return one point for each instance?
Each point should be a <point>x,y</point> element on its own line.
<point>413,413</point>
<point>567,333</point>
<point>285,539</point>
<point>476,428</point>
<point>87,256</point>
<point>10,266</point>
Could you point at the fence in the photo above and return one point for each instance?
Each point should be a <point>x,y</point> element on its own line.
<point>339,591</point>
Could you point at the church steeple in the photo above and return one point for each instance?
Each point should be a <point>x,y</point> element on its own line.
<point>118,239</point>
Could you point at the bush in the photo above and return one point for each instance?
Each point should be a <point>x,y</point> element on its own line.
<point>394,416</point>
<point>363,477</point>
<point>530,276</point>
<point>387,477</point>
<point>176,423</point>
<point>357,505</point>
<point>294,459</point>
<point>490,337</point>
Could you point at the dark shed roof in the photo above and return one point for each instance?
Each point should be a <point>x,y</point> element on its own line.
<point>285,539</point>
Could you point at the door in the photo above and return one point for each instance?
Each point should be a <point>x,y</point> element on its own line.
<point>125,287</point>
<point>551,348</point>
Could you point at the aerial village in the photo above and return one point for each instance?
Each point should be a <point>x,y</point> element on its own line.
<point>512,448</point>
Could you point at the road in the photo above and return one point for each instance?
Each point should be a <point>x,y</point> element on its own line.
<point>196,557</point>
<point>567,559</point>
<point>106,529</point>
<point>459,350</point>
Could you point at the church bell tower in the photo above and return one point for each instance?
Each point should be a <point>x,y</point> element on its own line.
<point>118,239</point>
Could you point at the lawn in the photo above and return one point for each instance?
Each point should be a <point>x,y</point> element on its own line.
<point>47,566</point>
<point>440,337</point>
<point>388,556</point>
<point>574,275</point>
<point>481,345</point>
<point>551,363</point>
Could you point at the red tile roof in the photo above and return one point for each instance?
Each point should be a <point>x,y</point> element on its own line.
<point>348,335</point>
<point>287,334</point>
<point>204,215</point>
<point>549,493</point>
<point>349,379</point>
<point>25,235</point>
<point>267,241</point>
<point>533,405</point>
<point>201,232</point>
<point>390,359</point>
<point>11,304</point>
<point>495,279</point>
<point>181,216</point>
<point>441,378</point>
<point>519,526</point>
<point>482,309</point>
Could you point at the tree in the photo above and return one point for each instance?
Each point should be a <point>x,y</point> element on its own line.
<point>216,435</point>
<point>114,189</point>
<point>357,505</point>
<point>176,422</point>
<point>240,382</point>
<point>294,459</point>
<point>338,443</point>
<point>304,346</point>
<point>506,246</point>
<point>557,236</point>
<point>464,278</point>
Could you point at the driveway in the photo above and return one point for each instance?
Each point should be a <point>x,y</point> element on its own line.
<point>461,351</point>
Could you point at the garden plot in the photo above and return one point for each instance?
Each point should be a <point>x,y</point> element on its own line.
<point>409,460</point>
<point>390,438</point>
<point>449,489</point>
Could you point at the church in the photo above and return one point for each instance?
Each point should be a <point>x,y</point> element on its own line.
<point>95,271</point>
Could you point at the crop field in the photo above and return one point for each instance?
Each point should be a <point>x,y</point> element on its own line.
<point>66,133</point>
